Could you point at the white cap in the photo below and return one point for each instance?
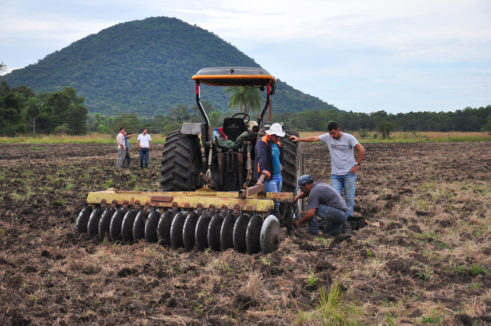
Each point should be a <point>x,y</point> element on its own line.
<point>276,129</point>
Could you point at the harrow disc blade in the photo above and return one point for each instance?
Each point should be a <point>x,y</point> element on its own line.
<point>93,223</point>
<point>139,225</point>
<point>83,219</point>
<point>289,218</point>
<point>213,235</point>
<point>127,225</point>
<point>104,222</point>
<point>201,231</point>
<point>188,230</point>
<point>253,234</point>
<point>227,232</point>
<point>239,234</point>
<point>115,225</point>
<point>176,230</point>
<point>270,234</point>
<point>165,223</point>
<point>151,226</point>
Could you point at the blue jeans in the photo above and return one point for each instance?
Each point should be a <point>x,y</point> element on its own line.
<point>275,184</point>
<point>144,152</point>
<point>334,218</point>
<point>348,182</point>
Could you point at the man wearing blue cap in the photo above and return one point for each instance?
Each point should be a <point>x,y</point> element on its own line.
<point>323,201</point>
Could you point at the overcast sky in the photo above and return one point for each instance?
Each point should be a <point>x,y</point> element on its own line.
<point>359,55</point>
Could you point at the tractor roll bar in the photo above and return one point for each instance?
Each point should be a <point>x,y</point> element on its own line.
<point>234,76</point>
<point>203,112</point>
<point>270,87</point>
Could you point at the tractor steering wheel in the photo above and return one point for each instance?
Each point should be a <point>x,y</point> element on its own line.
<point>244,116</point>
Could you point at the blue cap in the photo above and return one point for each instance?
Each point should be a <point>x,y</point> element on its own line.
<point>304,179</point>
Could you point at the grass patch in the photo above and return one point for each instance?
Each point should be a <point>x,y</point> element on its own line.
<point>17,196</point>
<point>311,279</point>
<point>364,136</point>
<point>108,184</point>
<point>434,318</point>
<point>92,138</point>
<point>38,148</point>
<point>331,310</point>
<point>477,270</point>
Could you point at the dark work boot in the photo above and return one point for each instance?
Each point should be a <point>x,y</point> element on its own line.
<point>346,228</point>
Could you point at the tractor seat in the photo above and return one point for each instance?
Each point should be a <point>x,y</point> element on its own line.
<point>233,127</point>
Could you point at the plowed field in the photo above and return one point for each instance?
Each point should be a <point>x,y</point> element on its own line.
<point>429,263</point>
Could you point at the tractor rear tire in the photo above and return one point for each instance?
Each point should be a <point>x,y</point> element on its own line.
<point>293,167</point>
<point>167,181</point>
<point>292,162</point>
<point>181,163</point>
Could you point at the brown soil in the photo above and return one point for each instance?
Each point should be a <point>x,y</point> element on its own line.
<point>428,264</point>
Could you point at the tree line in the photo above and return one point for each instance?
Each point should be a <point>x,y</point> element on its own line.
<point>468,119</point>
<point>23,112</point>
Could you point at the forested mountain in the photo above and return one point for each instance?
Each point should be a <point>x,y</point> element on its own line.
<point>145,67</point>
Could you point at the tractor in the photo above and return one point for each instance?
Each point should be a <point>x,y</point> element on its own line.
<point>209,197</point>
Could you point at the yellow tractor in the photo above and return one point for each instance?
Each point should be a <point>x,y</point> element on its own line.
<point>209,197</point>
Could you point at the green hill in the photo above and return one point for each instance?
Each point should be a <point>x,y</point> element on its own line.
<point>145,67</point>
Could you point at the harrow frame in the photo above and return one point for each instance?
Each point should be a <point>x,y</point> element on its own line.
<point>204,198</point>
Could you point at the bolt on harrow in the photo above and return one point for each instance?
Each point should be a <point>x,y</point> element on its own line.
<point>201,219</point>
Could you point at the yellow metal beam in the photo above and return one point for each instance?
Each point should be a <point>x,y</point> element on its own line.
<point>262,202</point>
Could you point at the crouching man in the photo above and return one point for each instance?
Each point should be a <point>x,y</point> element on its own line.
<point>324,202</point>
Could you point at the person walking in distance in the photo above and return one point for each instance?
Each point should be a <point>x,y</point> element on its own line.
<point>127,159</point>
<point>344,167</point>
<point>121,148</point>
<point>144,144</point>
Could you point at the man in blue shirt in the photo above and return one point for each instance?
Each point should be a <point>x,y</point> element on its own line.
<point>269,158</point>
<point>127,158</point>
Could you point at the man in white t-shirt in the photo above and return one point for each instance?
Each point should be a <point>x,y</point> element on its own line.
<point>144,143</point>
<point>344,167</point>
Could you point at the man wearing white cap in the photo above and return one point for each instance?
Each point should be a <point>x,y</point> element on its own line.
<point>269,158</point>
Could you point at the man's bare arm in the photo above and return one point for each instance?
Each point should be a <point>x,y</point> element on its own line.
<point>309,139</point>
<point>361,152</point>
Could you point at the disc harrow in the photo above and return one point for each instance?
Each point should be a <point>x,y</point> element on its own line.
<point>247,227</point>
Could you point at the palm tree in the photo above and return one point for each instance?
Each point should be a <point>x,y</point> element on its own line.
<point>244,98</point>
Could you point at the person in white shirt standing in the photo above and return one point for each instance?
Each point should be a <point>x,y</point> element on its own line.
<point>344,167</point>
<point>144,143</point>
<point>121,148</point>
